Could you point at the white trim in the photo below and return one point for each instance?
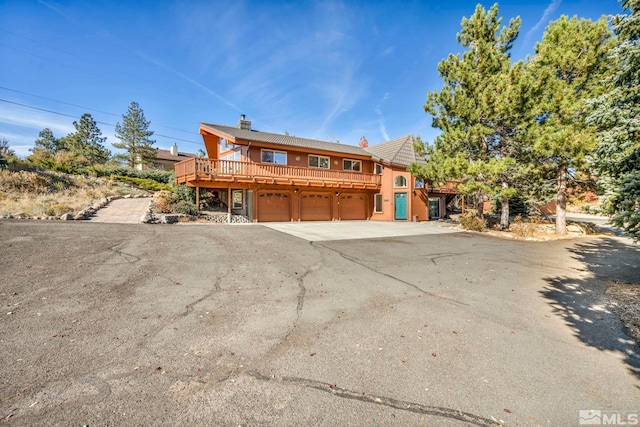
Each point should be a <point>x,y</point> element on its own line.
<point>353,161</point>
<point>319,157</point>
<point>375,196</point>
<point>262,150</point>
<point>395,185</point>
<point>375,168</point>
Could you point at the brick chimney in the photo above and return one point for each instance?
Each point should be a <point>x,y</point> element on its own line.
<point>243,124</point>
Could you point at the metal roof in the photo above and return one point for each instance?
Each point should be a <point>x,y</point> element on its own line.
<point>291,141</point>
<point>399,151</point>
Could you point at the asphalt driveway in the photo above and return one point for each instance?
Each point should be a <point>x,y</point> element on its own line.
<point>116,324</point>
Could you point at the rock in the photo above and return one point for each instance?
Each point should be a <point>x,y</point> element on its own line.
<point>67,216</point>
<point>573,228</point>
<point>169,219</point>
<point>52,218</point>
<point>127,196</point>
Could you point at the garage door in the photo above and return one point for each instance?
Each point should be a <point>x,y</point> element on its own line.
<point>353,206</point>
<point>315,207</point>
<point>274,206</point>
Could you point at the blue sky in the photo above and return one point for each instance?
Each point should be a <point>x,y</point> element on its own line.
<point>326,70</point>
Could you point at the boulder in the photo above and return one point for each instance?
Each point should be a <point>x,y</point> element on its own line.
<point>67,216</point>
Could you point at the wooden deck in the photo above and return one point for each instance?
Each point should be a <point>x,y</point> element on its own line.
<point>207,172</point>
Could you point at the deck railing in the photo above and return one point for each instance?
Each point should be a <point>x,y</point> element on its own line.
<point>201,169</point>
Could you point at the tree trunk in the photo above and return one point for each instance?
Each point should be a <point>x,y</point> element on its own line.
<point>504,217</point>
<point>561,202</point>
<point>479,204</point>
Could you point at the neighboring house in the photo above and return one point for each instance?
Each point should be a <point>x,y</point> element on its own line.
<point>165,159</point>
<point>273,177</point>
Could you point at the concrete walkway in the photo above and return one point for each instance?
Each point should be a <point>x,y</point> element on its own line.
<point>317,231</point>
<point>122,211</point>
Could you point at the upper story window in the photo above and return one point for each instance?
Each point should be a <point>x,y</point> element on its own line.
<point>377,169</point>
<point>234,156</point>
<point>271,156</point>
<point>352,165</point>
<point>225,146</point>
<point>419,183</point>
<point>400,182</point>
<point>319,162</point>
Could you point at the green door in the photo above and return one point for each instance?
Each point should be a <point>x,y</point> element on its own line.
<point>401,206</point>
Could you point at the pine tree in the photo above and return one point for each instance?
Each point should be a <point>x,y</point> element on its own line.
<point>46,146</point>
<point>86,143</point>
<point>5,151</point>
<point>569,64</point>
<point>134,135</point>
<point>480,110</point>
<point>616,114</point>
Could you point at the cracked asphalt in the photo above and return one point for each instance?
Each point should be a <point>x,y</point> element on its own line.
<point>119,324</point>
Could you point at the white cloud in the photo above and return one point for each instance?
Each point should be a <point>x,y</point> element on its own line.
<point>18,117</point>
<point>381,122</point>
<point>544,19</point>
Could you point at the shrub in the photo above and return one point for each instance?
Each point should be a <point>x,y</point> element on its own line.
<point>144,183</point>
<point>23,182</point>
<point>163,201</point>
<point>184,193</point>
<point>58,209</point>
<point>161,176</point>
<point>472,222</point>
<point>184,207</point>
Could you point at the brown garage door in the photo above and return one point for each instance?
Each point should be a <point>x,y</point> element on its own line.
<point>274,206</point>
<point>353,206</point>
<point>315,207</point>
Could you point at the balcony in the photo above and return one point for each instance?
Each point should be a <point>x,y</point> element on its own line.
<point>210,173</point>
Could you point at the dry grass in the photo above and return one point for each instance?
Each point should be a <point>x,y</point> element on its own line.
<point>37,194</point>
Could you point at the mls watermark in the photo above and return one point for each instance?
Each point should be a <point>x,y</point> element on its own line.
<point>597,417</point>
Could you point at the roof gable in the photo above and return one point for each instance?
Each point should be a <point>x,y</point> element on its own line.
<point>399,151</point>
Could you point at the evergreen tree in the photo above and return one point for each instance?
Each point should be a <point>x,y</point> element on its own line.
<point>47,141</point>
<point>86,142</point>
<point>5,151</point>
<point>46,146</point>
<point>481,111</point>
<point>134,135</point>
<point>616,114</point>
<point>569,64</point>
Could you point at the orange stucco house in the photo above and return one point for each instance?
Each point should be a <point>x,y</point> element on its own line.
<point>272,177</point>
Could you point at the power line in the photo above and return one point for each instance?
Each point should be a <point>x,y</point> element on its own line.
<point>86,108</point>
<point>60,102</point>
<point>99,122</point>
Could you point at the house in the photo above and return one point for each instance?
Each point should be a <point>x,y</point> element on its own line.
<point>165,159</point>
<point>271,177</point>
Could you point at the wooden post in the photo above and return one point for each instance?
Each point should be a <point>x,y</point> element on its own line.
<point>463,204</point>
<point>197,200</point>
<point>229,201</point>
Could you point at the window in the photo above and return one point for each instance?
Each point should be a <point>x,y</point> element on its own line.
<point>400,182</point>
<point>276,157</point>
<point>319,162</point>
<point>377,169</point>
<point>377,203</point>
<point>352,165</point>
<point>236,197</point>
<point>419,183</point>
<point>225,146</point>
<point>231,157</point>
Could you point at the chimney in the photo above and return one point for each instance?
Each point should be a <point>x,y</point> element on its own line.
<point>363,142</point>
<point>174,149</point>
<point>243,124</point>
